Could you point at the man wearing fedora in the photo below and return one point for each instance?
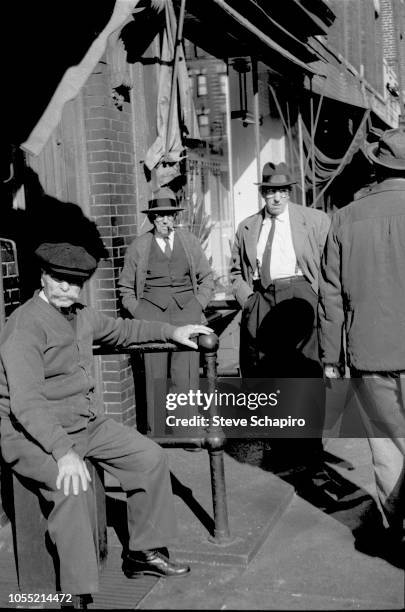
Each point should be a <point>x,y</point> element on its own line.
<point>276,257</point>
<point>361,316</point>
<point>275,265</point>
<point>166,277</point>
<point>50,421</point>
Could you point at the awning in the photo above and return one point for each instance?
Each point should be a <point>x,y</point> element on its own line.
<point>237,16</point>
<point>75,78</point>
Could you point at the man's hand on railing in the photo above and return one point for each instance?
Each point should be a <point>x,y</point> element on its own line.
<point>182,334</point>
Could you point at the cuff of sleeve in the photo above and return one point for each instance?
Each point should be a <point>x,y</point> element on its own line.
<point>167,331</point>
<point>62,449</point>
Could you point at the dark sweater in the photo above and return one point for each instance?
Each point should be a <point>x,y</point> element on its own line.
<point>45,367</point>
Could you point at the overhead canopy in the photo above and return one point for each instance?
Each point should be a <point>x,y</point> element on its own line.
<point>277,32</point>
<point>76,76</point>
<point>39,42</point>
<point>49,49</point>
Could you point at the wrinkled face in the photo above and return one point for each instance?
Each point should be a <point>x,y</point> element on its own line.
<point>61,292</point>
<point>163,223</point>
<point>276,199</point>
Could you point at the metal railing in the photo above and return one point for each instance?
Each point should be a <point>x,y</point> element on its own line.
<point>214,439</point>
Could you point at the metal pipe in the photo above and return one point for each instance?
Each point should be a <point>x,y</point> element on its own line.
<point>256,115</point>
<point>301,150</point>
<point>311,102</point>
<point>262,37</point>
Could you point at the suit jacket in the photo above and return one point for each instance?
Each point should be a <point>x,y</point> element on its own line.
<point>133,275</point>
<point>362,284</point>
<point>309,228</point>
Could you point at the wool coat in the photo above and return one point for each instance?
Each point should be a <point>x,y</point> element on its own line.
<point>362,283</point>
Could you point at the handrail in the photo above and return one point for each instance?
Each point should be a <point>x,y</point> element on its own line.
<point>214,440</point>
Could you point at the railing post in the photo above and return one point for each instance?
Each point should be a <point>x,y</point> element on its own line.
<point>214,443</point>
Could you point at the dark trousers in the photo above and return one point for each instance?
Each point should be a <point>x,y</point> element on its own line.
<point>139,464</point>
<point>278,331</point>
<point>279,340</point>
<point>181,369</point>
<point>382,408</point>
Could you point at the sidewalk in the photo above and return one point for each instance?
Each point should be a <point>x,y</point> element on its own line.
<point>301,552</point>
<point>288,550</point>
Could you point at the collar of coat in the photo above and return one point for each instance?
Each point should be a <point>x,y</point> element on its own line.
<point>390,184</point>
<point>299,230</point>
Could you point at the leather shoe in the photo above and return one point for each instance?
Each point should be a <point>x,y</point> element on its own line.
<point>152,563</point>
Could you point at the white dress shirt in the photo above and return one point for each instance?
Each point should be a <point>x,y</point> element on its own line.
<point>162,242</point>
<point>283,261</point>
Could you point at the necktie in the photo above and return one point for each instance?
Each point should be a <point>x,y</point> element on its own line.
<point>168,250</point>
<point>265,267</point>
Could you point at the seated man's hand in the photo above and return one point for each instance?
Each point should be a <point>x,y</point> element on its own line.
<point>72,471</point>
<point>182,334</point>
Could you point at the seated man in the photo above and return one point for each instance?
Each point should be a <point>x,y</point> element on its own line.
<point>50,421</point>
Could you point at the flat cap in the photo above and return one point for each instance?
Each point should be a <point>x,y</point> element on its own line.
<point>66,259</point>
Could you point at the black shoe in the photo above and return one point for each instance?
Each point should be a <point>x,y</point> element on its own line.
<point>152,563</point>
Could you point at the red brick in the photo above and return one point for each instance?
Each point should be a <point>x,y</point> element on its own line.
<point>118,146</point>
<point>101,134</point>
<point>108,304</point>
<point>113,410</point>
<point>97,90</point>
<point>99,145</point>
<point>106,294</point>
<point>118,126</point>
<point>105,273</point>
<point>104,177</point>
<point>102,188</point>
<point>99,156</point>
<point>112,388</point>
<point>123,188</point>
<point>124,137</point>
<point>101,166</point>
<point>96,101</point>
<point>110,397</point>
<point>126,157</point>
<point>99,123</point>
<point>115,376</point>
<point>126,179</point>
<point>121,167</point>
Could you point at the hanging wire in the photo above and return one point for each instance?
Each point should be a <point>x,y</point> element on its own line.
<point>285,31</point>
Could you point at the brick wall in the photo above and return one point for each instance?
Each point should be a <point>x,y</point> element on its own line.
<point>11,301</point>
<point>11,283</point>
<point>388,32</point>
<point>110,153</point>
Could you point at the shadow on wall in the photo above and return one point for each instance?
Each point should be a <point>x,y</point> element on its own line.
<point>45,219</point>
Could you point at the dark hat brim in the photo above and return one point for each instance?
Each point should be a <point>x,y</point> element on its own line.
<point>285,184</point>
<point>392,163</point>
<point>68,274</point>
<point>168,209</point>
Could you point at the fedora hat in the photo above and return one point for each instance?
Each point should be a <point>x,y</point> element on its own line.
<point>276,176</point>
<point>389,151</point>
<point>163,200</point>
